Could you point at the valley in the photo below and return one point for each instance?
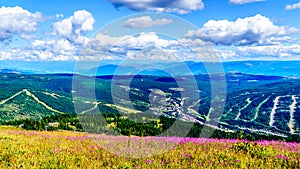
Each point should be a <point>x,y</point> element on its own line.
<point>270,106</point>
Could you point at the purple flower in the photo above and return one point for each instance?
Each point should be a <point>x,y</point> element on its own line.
<point>187,155</point>
<point>282,157</point>
<point>148,162</point>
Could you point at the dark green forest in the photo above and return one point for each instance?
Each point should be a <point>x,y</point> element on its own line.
<point>127,127</point>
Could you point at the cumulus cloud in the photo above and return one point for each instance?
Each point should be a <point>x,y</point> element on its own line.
<point>240,2</point>
<point>75,27</point>
<point>53,49</point>
<point>257,29</point>
<point>104,46</point>
<point>5,55</point>
<point>43,50</point>
<point>146,22</point>
<point>271,50</point>
<point>148,46</point>
<point>292,6</point>
<point>226,53</point>
<point>18,21</point>
<point>178,6</point>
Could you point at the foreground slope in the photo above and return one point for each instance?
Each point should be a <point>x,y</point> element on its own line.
<point>62,149</point>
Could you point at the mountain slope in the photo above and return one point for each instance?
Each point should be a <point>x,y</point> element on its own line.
<point>254,103</point>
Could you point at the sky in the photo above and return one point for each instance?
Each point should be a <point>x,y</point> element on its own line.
<point>93,30</point>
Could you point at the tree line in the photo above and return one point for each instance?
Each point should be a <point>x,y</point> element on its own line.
<point>116,124</point>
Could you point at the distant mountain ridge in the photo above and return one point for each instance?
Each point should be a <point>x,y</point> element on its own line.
<point>269,68</point>
<point>13,71</point>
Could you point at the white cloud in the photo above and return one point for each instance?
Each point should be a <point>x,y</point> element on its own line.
<point>59,16</point>
<point>292,6</point>
<point>257,29</point>
<point>149,46</point>
<point>53,50</point>
<point>146,46</point>
<point>43,50</point>
<point>27,36</point>
<point>5,55</point>
<point>143,41</point>
<point>271,50</point>
<point>17,21</point>
<point>240,2</point>
<point>146,22</point>
<point>104,46</point>
<point>178,6</point>
<point>226,54</point>
<point>75,27</point>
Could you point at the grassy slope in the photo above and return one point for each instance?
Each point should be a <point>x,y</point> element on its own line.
<point>62,149</point>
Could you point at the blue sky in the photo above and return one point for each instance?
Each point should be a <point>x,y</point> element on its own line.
<point>69,30</point>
